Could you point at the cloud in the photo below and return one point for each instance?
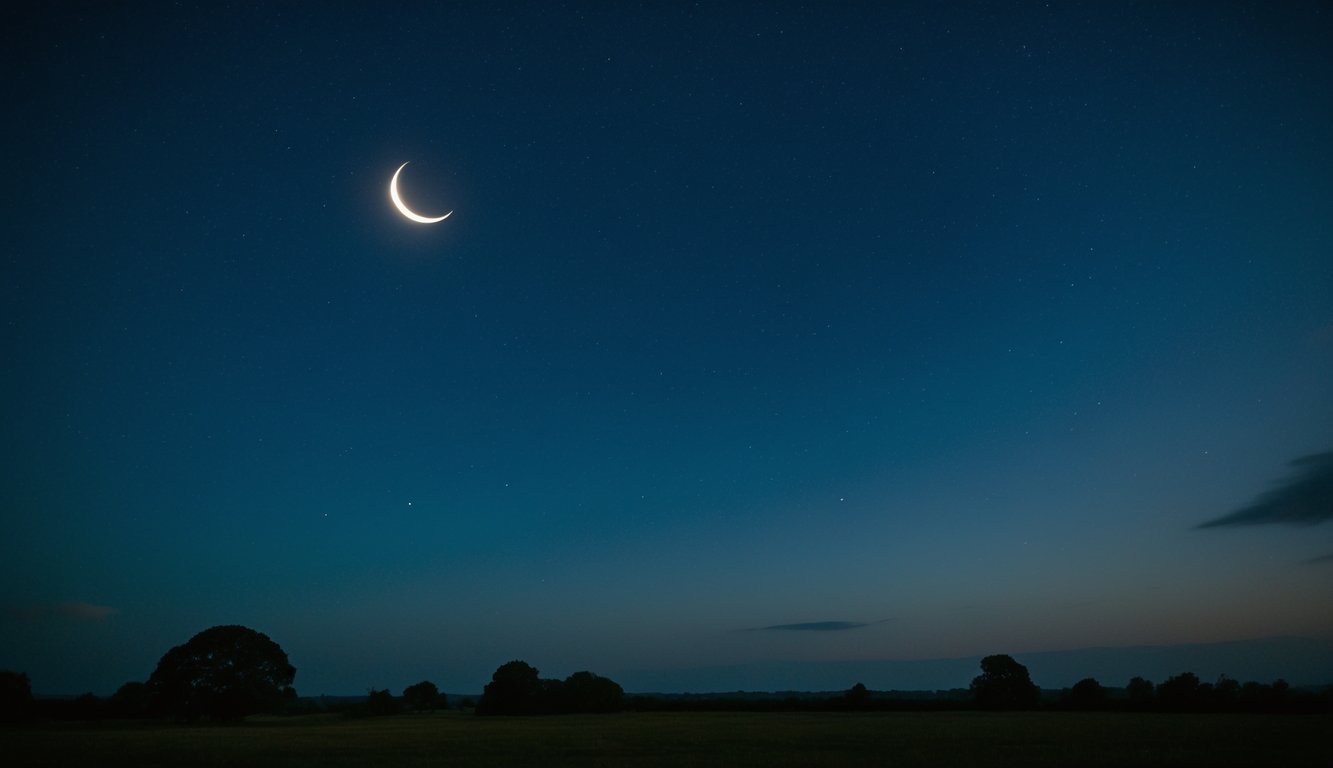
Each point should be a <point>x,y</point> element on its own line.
<point>45,612</point>
<point>1321,559</point>
<point>816,626</point>
<point>85,611</point>
<point>1305,498</point>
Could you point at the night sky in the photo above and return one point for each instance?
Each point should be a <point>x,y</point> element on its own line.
<point>759,333</point>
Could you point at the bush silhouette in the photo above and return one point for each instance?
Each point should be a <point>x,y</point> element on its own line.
<point>423,696</point>
<point>381,703</point>
<point>1087,694</point>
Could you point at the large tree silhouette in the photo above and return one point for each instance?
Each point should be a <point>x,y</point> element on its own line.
<point>1004,684</point>
<point>586,692</point>
<point>223,673</point>
<point>514,689</point>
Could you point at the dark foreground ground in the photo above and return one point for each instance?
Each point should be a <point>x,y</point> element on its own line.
<point>693,739</point>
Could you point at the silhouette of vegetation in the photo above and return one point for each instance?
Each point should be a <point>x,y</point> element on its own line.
<point>1254,696</point>
<point>1004,684</point>
<point>382,703</point>
<point>1086,694</point>
<point>517,689</point>
<point>1140,693</point>
<point>586,692</point>
<point>15,696</point>
<point>131,700</point>
<point>514,689</point>
<point>228,672</point>
<point>224,673</point>
<point>1186,693</point>
<point>857,697</point>
<point>424,696</point>
<point>1180,692</point>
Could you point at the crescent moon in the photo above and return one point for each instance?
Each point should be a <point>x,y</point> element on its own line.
<point>402,207</point>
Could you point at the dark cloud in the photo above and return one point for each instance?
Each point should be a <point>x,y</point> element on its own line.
<point>1321,559</point>
<point>815,626</point>
<point>73,610</point>
<point>86,611</point>
<point>1305,498</point>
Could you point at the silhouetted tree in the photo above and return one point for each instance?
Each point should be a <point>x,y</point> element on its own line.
<point>514,689</point>
<point>1087,694</point>
<point>15,696</point>
<point>1253,695</point>
<point>380,703</point>
<point>423,696</point>
<point>857,697</point>
<point>1180,692</point>
<point>223,673</point>
<point>1004,684</point>
<point>1226,692</point>
<point>550,697</point>
<point>586,692</point>
<point>1140,693</point>
<point>1279,692</point>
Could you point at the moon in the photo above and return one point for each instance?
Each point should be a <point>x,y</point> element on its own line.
<point>402,207</point>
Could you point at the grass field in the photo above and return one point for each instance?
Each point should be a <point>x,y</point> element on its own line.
<point>694,739</point>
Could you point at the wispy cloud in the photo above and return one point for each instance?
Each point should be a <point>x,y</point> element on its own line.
<point>1305,498</point>
<point>85,611</point>
<point>816,626</point>
<point>1321,559</point>
<point>41,612</point>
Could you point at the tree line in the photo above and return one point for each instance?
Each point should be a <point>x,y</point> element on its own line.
<point>226,673</point>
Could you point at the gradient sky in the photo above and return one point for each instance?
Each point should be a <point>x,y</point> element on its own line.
<point>759,333</point>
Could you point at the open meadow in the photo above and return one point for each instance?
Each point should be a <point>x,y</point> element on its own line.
<point>693,739</point>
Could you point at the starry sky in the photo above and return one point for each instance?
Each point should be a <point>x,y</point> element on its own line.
<point>760,333</point>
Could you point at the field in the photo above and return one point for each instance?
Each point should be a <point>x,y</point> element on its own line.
<point>693,739</point>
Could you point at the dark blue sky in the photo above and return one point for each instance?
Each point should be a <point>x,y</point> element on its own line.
<point>936,329</point>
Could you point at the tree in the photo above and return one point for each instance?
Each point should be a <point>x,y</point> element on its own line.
<point>857,697</point>
<point>586,692</point>
<point>1140,693</point>
<point>514,689</point>
<point>379,703</point>
<point>1004,684</point>
<point>1087,694</point>
<point>550,697</point>
<point>223,673</point>
<point>423,696</point>
<point>15,696</point>
<point>1180,692</point>
<point>1226,692</point>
